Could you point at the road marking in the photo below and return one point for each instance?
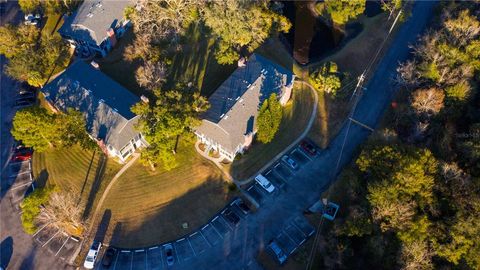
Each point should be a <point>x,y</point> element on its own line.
<point>140,250</point>
<point>176,253</point>
<point>116,259</point>
<point>361,124</point>
<point>194,254</point>
<point>152,248</point>
<point>51,238</point>
<point>215,229</point>
<point>61,247</point>
<point>205,238</point>
<point>19,186</point>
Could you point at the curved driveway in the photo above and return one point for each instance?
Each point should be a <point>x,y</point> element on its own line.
<point>238,248</point>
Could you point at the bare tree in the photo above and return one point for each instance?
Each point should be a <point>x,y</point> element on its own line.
<point>428,101</point>
<point>416,255</point>
<point>63,212</point>
<point>151,75</point>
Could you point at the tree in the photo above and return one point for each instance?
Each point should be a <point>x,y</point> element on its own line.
<point>36,128</point>
<point>62,211</point>
<point>391,5</point>
<point>428,101</point>
<point>241,24</point>
<point>34,55</point>
<point>151,75</point>
<point>31,207</point>
<point>341,11</point>
<point>173,113</point>
<point>326,78</point>
<point>269,119</point>
<point>29,6</point>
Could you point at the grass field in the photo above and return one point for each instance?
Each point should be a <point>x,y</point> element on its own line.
<point>75,170</point>
<point>150,207</point>
<point>295,117</point>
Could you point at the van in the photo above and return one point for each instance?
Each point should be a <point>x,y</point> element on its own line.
<point>262,181</point>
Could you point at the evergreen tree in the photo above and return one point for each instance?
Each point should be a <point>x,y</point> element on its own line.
<point>269,119</point>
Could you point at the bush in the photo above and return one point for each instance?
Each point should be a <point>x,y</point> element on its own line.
<point>31,207</point>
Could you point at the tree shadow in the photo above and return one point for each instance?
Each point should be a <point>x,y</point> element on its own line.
<point>86,176</point>
<point>6,251</point>
<point>194,208</point>
<point>95,185</point>
<point>103,226</point>
<point>42,179</point>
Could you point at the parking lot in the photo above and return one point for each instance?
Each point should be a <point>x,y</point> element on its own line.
<point>280,174</point>
<point>216,232</point>
<point>21,183</point>
<point>294,234</point>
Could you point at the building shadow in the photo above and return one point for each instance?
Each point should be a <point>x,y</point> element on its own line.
<point>6,251</point>
<point>100,172</point>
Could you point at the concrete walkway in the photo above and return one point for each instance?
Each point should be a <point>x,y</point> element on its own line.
<point>217,161</point>
<point>104,196</point>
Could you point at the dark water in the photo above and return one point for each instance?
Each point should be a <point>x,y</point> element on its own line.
<point>309,43</point>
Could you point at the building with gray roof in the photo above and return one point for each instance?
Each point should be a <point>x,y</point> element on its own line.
<point>95,27</point>
<point>228,126</point>
<point>104,103</point>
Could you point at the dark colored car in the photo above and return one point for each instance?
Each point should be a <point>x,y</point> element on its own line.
<point>231,217</point>
<point>243,206</point>
<point>22,154</point>
<point>108,257</point>
<point>308,148</point>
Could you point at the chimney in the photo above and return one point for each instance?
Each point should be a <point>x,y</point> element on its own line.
<point>144,99</point>
<point>111,36</point>
<point>95,65</point>
<point>242,62</point>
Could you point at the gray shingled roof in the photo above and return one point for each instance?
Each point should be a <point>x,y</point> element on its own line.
<point>93,18</point>
<point>234,105</point>
<point>104,103</point>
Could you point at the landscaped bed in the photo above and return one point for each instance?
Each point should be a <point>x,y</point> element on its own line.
<point>151,207</point>
<point>296,115</point>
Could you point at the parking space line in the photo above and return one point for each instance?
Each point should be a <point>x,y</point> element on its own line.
<point>51,238</point>
<point>61,247</point>
<point>176,253</point>
<point>41,229</point>
<point>116,259</point>
<point>204,238</point>
<point>226,222</point>
<point>305,154</point>
<point>194,253</point>
<point>146,264</point>
<point>19,186</point>
<point>131,261</point>
<point>215,229</point>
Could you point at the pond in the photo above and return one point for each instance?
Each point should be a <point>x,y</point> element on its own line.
<point>311,37</point>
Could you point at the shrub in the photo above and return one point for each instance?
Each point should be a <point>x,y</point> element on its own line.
<point>31,207</point>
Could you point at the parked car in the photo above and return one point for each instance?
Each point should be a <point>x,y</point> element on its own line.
<point>92,255</point>
<point>290,162</point>
<point>22,154</point>
<point>277,252</point>
<point>231,217</point>
<point>108,257</point>
<point>308,148</point>
<point>262,181</point>
<point>169,254</point>
<point>243,206</point>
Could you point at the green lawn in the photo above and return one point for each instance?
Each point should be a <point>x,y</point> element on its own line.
<point>51,24</point>
<point>295,118</point>
<point>149,207</point>
<point>76,170</point>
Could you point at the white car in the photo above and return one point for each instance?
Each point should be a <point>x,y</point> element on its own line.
<point>263,181</point>
<point>92,255</point>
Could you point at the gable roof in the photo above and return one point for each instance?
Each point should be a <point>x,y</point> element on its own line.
<point>93,18</point>
<point>234,105</point>
<point>104,103</point>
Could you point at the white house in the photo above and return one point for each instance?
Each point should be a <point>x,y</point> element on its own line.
<point>228,126</point>
<point>105,105</point>
<point>95,27</point>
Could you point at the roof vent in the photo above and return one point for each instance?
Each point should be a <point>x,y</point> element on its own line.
<point>95,65</point>
<point>144,99</point>
<point>101,101</point>
<point>242,62</point>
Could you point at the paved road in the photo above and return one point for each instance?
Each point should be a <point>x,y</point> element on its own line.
<point>239,251</point>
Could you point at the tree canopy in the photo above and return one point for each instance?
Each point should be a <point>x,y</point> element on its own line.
<point>241,24</point>
<point>269,119</point>
<point>172,114</point>
<point>326,78</point>
<point>341,11</point>
<point>32,55</point>
<point>38,128</point>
